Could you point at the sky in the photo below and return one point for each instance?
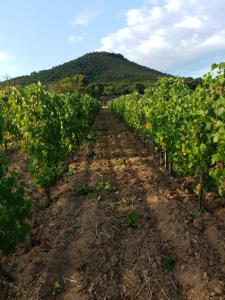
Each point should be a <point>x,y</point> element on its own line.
<point>180,37</point>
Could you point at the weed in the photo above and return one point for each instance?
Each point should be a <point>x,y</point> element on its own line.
<point>116,154</point>
<point>121,162</point>
<point>195,215</point>
<point>131,219</point>
<point>91,137</point>
<point>105,186</point>
<point>99,155</point>
<point>169,262</point>
<point>103,129</point>
<point>90,154</point>
<point>135,153</point>
<point>41,222</point>
<point>84,190</point>
<point>57,288</point>
<point>93,197</point>
<point>71,172</point>
<point>111,204</point>
<point>125,200</point>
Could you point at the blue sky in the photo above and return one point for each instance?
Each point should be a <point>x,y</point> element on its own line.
<point>175,36</point>
<point>34,33</point>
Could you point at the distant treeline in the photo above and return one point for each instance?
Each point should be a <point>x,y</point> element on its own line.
<point>99,74</point>
<point>98,67</point>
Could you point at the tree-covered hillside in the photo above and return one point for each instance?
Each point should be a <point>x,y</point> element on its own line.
<point>98,67</point>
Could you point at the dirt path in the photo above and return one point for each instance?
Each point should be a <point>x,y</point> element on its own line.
<point>82,249</point>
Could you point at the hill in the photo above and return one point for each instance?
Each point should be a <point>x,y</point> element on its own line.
<point>98,67</point>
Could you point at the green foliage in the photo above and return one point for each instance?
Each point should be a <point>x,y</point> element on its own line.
<point>192,83</point>
<point>97,67</point>
<point>49,127</point>
<point>72,84</point>
<point>103,185</point>
<point>1,123</point>
<point>189,126</point>
<point>57,288</point>
<point>195,215</point>
<point>95,89</point>
<point>90,154</point>
<point>15,207</point>
<point>91,138</point>
<point>11,128</point>
<point>169,262</point>
<point>84,190</point>
<point>125,200</point>
<point>131,219</point>
<point>139,87</point>
<point>71,172</point>
<point>100,186</point>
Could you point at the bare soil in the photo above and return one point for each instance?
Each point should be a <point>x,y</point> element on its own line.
<point>80,248</point>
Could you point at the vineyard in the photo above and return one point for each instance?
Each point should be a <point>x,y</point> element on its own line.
<point>186,129</point>
<point>49,129</point>
<point>125,202</point>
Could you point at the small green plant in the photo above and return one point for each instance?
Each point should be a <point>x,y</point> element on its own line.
<point>90,154</point>
<point>103,129</point>
<point>15,210</point>
<point>105,186</point>
<point>125,200</point>
<point>169,262</point>
<point>84,190</point>
<point>116,154</point>
<point>120,162</point>
<point>41,222</point>
<point>99,155</point>
<point>99,198</point>
<point>135,153</point>
<point>71,172</point>
<point>131,219</point>
<point>195,215</point>
<point>57,288</point>
<point>91,137</point>
<point>111,204</point>
<point>94,196</point>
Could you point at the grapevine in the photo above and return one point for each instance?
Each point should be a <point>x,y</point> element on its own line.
<point>49,128</point>
<point>187,128</point>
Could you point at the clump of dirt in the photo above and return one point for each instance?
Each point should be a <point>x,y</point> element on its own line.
<point>119,228</point>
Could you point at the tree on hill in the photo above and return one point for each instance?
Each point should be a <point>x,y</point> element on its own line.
<point>98,67</point>
<point>70,84</point>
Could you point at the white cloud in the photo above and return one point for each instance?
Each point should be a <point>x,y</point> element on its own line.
<point>190,22</point>
<point>75,39</point>
<point>84,18</point>
<point>8,65</point>
<point>5,56</point>
<point>174,5</point>
<point>174,36</point>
